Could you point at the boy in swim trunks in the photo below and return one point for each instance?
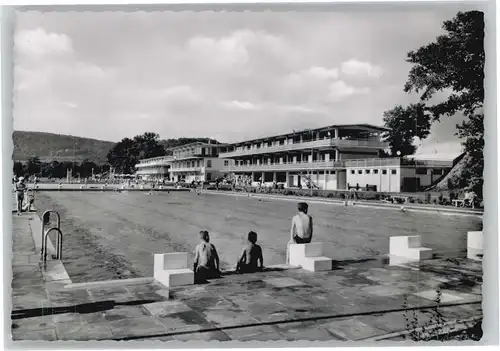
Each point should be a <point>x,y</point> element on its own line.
<point>251,259</point>
<point>206,260</point>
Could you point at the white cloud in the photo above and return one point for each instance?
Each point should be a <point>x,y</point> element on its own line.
<point>224,52</point>
<point>38,42</point>
<point>180,68</point>
<point>361,69</point>
<point>69,104</point>
<point>339,91</point>
<point>240,105</point>
<point>180,92</point>
<point>323,73</point>
<point>234,49</point>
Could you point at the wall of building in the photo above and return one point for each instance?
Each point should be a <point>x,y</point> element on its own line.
<point>431,175</point>
<point>383,178</point>
<point>344,155</point>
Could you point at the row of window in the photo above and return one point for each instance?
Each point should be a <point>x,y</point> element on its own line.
<point>191,164</point>
<point>375,171</point>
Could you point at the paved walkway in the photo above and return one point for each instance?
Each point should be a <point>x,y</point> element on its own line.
<point>355,301</point>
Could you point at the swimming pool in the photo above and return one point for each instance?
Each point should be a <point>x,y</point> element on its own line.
<point>112,235</point>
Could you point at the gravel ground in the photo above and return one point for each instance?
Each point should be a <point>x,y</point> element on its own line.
<point>113,235</point>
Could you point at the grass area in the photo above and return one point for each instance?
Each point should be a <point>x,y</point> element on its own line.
<point>113,235</point>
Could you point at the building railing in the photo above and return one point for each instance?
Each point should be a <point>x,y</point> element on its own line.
<point>373,162</point>
<point>427,163</point>
<point>152,171</point>
<point>188,156</point>
<point>298,166</point>
<point>186,169</point>
<point>156,161</point>
<point>396,161</point>
<point>322,143</point>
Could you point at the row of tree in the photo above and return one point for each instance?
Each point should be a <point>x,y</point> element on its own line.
<point>454,62</point>
<point>57,169</point>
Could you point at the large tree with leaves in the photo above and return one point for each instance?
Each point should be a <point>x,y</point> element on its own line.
<point>455,62</point>
<point>406,123</point>
<point>127,153</point>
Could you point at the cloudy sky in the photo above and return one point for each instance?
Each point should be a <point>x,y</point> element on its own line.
<point>229,76</point>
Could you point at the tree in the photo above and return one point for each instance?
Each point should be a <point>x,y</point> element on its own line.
<point>127,153</point>
<point>86,167</point>
<point>121,156</point>
<point>19,169</point>
<point>147,145</point>
<point>404,125</point>
<point>455,62</point>
<point>34,166</point>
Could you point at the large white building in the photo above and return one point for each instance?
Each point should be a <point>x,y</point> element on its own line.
<point>196,162</point>
<point>154,168</point>
<point>332,157</point>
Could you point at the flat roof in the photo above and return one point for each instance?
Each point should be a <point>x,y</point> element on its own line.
<point>363,126</point>
<point>197,143</point>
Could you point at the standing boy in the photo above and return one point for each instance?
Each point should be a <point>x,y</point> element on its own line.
<point>20,189</point>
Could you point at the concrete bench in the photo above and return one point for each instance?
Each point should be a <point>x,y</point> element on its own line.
<point>404,249</point>
<point>171,269</point>
<point>475,245</point>
<point>309,257</point>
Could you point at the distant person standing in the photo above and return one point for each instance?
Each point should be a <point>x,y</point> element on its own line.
<point>206,259</point>
<point>20,189</point>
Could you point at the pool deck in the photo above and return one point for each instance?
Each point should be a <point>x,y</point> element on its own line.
<point>355,301</point>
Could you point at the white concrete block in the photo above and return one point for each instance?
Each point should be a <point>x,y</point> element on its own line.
<point>405,249</point>
<point>299,251</point>
<point>317,264</point>
<point>418,254</point>
<point>399,244</point>
<point>173,260</point>
<point>475,245</point>
<point>475,240</point>
<point>175,277</point>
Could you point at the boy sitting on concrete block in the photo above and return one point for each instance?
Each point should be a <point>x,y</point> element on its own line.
<point>206,260</point>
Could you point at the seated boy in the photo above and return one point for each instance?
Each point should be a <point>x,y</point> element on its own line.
<point>251,256</point>
<point>206,259</point>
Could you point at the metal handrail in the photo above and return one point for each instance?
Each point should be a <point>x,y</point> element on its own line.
<point>45,220</point>
<point>59,241</point>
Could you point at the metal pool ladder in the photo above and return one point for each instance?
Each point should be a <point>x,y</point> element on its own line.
<point>45,235</point>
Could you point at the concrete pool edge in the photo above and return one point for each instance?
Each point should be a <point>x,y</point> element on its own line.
<point>136,313</point>
<point>358,203</point>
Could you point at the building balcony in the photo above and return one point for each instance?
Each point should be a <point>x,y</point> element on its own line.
<point>187,169</point>
<point>283,167</point>
<point>396,161</point>
<point>157,161</point>
<point>315,144</point>
<point>151,171</point>
<point>189,156</point>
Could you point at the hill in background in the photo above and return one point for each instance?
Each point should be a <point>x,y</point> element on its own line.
<point>60,147</point>
<point>49,146</point>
